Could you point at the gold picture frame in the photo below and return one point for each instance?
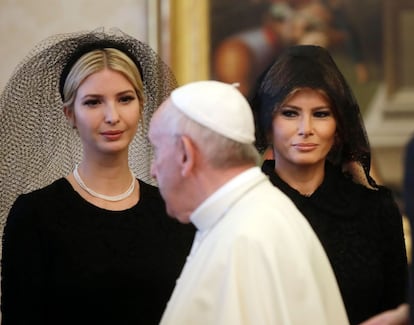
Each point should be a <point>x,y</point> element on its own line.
<point>184,38</point>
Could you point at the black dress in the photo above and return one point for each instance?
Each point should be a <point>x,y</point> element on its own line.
<point>66,261</point>
<point>361,232</point>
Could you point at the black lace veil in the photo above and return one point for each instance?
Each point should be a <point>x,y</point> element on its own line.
<point>312,66</point>
<point>37,144</point>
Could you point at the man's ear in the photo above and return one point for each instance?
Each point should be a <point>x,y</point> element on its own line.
<point>70,116</point>
<point>189,155</point>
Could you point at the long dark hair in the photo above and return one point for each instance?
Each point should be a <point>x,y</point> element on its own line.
<point>310,66</point>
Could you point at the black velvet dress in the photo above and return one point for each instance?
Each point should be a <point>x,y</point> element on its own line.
<point>66,261</point>
<point>361,232</point>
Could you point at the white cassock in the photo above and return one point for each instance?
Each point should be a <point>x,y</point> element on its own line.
<point>255,260</point>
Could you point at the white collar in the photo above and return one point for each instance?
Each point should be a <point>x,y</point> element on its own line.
<point>211,210</point>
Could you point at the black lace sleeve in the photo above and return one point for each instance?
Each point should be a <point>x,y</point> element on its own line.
<point>22,263</point>
<point>393,244</point>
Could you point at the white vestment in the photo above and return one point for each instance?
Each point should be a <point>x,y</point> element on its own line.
<point>255,260</point>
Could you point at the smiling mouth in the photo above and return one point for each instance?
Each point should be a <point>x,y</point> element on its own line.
<point>305,146</point>
<point>112,135</point>
<point>111,132</point>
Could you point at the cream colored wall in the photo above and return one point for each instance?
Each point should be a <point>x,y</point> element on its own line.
<point>23,23</point>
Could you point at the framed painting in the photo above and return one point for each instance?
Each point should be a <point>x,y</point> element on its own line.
<point>351,29</point>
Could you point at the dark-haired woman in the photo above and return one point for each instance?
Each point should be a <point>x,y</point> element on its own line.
<point>305,111</point>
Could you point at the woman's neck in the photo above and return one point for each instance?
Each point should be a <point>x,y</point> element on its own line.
<point>303,178</point>
<point>107,186</point>
<point>111,175</point>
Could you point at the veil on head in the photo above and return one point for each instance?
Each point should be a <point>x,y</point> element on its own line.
<point>38,145</point>
<point>312,66</point>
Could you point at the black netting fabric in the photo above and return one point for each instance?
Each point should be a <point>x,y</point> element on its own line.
<point>310,66</point>
<point>37,143</point>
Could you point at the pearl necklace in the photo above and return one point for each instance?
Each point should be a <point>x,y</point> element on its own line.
<point>113,198</point>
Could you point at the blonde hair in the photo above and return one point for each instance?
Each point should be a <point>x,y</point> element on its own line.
<point>95,61</point>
